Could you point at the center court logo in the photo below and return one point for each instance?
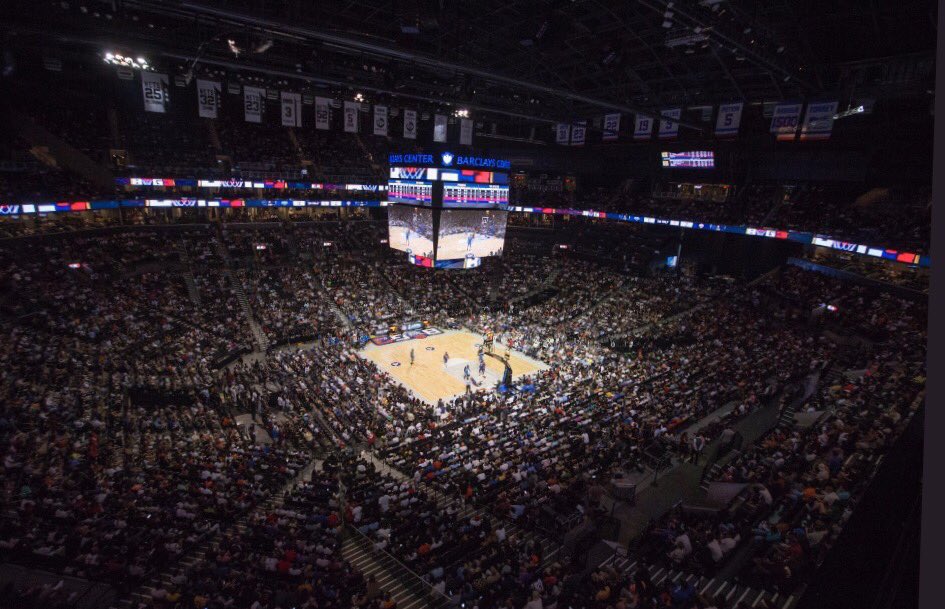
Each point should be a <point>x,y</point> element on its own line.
<point>447,158</point>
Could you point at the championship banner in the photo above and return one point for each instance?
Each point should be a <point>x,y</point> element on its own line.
<point>729,119</point>
<point>154,88</point>
<point>351,117</point>
<point>670,129</point>
<point>563,133</point>
<point>291,109</point>
<point>578,133</point>
<point>208,98</point>
<point>465,131</point>
<point>253,99</point>
<point>611,127</point>
<point>410,124</point>
<point>643,129</point>
<point>380,120</point>
<point>818,122</point>
<point>784,121</point>
<point>322,113</point>
<point>439,128</point>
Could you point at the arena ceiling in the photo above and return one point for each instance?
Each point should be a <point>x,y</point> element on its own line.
<point>543,60</point>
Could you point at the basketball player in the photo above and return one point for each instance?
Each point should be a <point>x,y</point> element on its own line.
<point>482,367</point>
<point>466,374</point>
<point>469,241</point>
<point>411,356</point>
<point>446,358</point>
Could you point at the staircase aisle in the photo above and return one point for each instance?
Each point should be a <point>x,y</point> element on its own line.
<point>259,337</point>
<point>188,273</point>
<point>730,592</point>
<point>357,550</point>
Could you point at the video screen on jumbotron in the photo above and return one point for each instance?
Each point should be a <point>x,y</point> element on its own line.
<point>470,188</point>
<point>411,185</point>
<point>694,159</point>
<point>470,233</point>
<point>413,192</point>
<point>410,229</point>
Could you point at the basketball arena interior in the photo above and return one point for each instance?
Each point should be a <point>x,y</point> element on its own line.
<point>552,304</point>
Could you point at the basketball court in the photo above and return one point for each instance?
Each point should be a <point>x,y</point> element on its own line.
<point>457,245</point>
<point>403,238</point>
<point>430,380</point>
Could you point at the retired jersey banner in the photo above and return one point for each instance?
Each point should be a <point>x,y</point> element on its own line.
<point>785,120</point>
<point>253,99</point>
<point>291,109</point>
<point>322,113</point>
<point>729,119</point>
<point>643,127</point>
<point>670,128</point>
<point>611,127</point>
<point>380,120</point>
<point>818,122</point>
<point>465,131</point>
<point>563,133</point>
<point>410,124</point>
<point>439,128</point>
<point>578,133</point>
<point>208,98</point>
<point>351,117</point>
<point>154,88</point>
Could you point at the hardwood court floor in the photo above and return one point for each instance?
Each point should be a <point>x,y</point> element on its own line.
<point>429,380</point>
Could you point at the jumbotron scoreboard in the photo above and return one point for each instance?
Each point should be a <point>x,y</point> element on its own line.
<point>447,210</point>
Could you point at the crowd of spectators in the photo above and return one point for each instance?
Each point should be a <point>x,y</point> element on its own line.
<point>801,480</point>
<point>119,419</point>
<point>894,217</point>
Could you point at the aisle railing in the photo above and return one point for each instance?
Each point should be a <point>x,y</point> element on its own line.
<point>414,583</point>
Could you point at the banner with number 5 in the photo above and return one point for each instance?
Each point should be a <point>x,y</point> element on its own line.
<point>729,119</point>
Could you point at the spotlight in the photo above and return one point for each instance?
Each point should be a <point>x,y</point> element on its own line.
<point>851,111</point>
<point>116,59</point>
